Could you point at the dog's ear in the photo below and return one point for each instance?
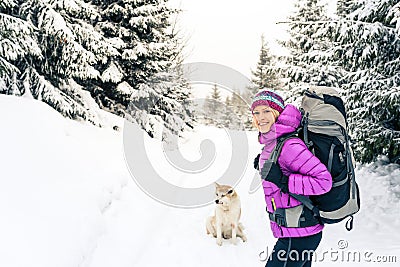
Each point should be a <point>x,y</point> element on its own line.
<point>217,185</point>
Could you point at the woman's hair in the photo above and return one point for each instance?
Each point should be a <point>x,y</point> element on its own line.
<point>255,122</point>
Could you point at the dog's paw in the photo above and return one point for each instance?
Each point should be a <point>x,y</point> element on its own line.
<point>244,238</point>
<point>234,241</point>
<point>219,242</point>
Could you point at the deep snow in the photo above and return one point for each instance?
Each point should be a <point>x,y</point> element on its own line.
<point>68,199</point>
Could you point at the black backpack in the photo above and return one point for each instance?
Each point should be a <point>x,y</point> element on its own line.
<point>324,131</point>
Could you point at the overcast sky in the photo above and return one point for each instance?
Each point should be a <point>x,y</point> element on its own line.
<point>228,32</point>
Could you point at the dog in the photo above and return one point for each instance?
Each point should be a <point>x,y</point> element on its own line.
<point>225,223</point>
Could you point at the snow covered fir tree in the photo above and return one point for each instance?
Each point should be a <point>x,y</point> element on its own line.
<point>78,55</point>
<point>224,110</point>
<point>17,46</point>
<point>266,74</point>
<point>306,64</point>
<point>367,48</point>
<point>68,53</point>
<point>357,50</point>
<point>213,107</point>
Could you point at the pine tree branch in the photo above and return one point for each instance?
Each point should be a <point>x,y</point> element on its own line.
<point>333,21</point>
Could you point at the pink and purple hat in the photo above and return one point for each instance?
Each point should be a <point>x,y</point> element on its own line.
<point>268,98</point>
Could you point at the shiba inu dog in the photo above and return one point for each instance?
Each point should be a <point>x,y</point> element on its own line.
<point>225,223</point>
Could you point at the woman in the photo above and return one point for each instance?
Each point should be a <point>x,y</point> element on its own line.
<point>296,171</point>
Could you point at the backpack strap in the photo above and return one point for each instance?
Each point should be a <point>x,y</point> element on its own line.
<point>349,223</point>
<point>330,158</point>
<point>350,166</point>
<point>293,217</point>
<point>279,145</point>
<point>274,158</point>
<point>307,203</point>
<point>304,123</point>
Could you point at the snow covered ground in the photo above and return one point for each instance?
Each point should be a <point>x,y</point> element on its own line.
<point>67,199</point>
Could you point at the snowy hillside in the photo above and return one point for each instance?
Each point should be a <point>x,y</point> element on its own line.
<point>67,199</point>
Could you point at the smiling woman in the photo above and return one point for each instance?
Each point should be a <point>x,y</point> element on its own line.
<point>295,171</point>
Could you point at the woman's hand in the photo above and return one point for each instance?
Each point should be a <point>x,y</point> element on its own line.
<point>256,162</point>
<point>276,176</point>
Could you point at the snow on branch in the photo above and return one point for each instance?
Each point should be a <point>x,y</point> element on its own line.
<point>335,21</point>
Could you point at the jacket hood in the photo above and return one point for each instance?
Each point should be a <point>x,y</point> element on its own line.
<point>288,121</point>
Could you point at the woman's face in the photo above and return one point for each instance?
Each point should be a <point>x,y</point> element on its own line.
<point>264,118</point>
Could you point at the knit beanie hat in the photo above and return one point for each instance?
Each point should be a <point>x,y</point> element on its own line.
<point>268,98</point>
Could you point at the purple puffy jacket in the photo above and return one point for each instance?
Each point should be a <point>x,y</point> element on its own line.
<point>307,175</point>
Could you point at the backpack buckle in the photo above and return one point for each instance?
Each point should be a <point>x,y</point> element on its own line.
<point>278,216</point>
